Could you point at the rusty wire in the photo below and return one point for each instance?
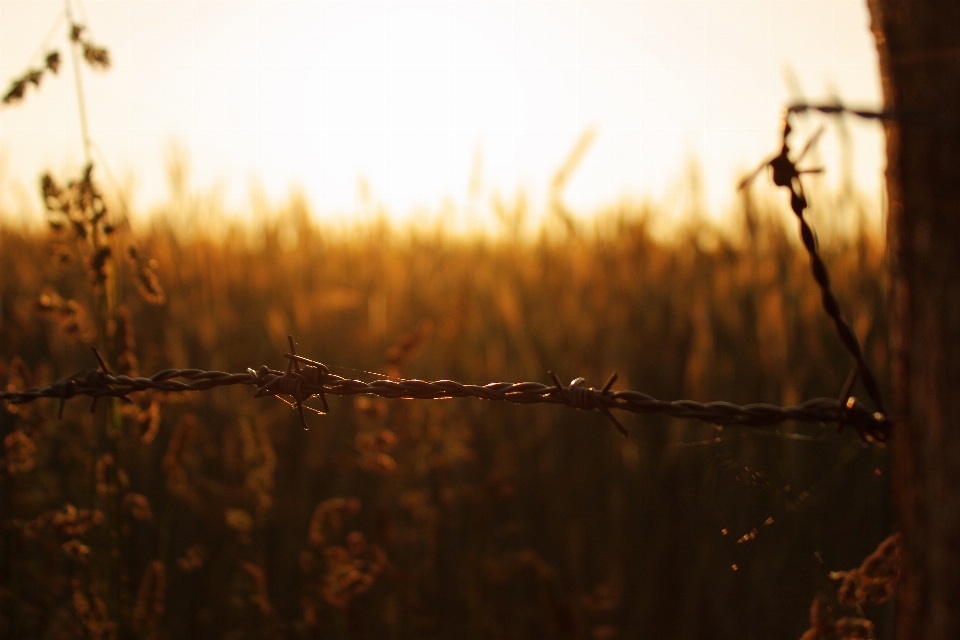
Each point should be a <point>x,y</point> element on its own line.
<point>786,174</point>
<point>314,379</point>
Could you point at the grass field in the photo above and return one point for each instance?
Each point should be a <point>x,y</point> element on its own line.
<point>215,515</point>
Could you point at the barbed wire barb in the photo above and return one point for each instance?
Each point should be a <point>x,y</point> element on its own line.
<point>578,396</point>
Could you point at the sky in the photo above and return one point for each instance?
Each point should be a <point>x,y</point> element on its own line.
<point>419,104</point>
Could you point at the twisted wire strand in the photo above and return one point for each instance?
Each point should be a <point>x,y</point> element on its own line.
<point>785,174</point>
<point>830,304</point>
<point>313,380</point>
<point>790,178</point>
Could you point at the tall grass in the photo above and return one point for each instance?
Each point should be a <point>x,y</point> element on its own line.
<point>403,519</point>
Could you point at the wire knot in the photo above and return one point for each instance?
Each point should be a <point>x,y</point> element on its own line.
<point>579,396</point>
<point>95,382</point>
<point>313,374</point>
<point>291,382</point>
<point>873,426</point>
<point>261,376</point>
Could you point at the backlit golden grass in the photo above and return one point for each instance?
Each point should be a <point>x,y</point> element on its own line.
<point>411,519</point>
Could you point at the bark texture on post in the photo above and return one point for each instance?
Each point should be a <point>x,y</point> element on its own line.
<point>919,46</point>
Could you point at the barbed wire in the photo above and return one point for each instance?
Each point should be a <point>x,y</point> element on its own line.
<point>314,379</point>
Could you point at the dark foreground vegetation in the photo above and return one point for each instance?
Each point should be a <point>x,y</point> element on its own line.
<point>215,515</point>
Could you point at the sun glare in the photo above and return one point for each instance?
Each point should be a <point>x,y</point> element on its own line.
<point>427,103</point>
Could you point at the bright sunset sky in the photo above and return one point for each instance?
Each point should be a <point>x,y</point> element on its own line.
<point>409,93</point>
